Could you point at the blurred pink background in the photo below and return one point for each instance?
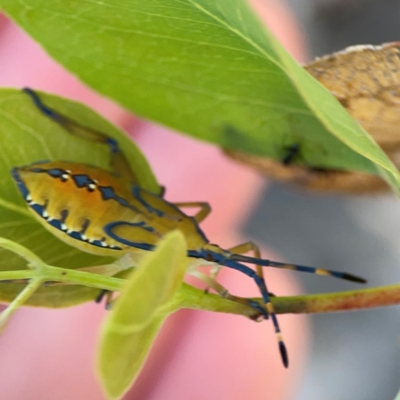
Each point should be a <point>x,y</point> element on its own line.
<point>49,354</point>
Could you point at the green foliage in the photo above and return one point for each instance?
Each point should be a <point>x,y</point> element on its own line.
<point>27,136</point>
<point>38,272</point>
<point>138,313</point>
<point>205,67</point>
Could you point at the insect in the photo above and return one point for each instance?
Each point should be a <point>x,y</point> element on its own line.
<point>107,213</point>
<point>291,153</point>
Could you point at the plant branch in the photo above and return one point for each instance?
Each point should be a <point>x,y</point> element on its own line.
<point>341,301</point>
<point>190,297</point>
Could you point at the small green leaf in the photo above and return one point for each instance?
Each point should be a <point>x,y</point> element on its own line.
<point>208,68</point>
<point>38,272</point>
<point>138,313</point>
<point>26,136</point>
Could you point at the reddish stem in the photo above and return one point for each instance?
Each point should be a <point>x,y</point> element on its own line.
<point>341,301</point>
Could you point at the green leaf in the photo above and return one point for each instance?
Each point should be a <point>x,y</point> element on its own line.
<point>205,67</point>
<point>138,314</point>
<point>38,272</point>
<point>27,136</point>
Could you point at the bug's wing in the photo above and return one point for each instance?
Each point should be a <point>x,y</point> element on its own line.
<point>157,205</point>
<point>137,235</point>
<point>165,217</point>
<point>118,160</point>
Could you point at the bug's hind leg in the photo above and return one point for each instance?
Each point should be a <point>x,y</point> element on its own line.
<point>259,278</point>
<point>245,248</point>
<point>242,249</point>
<point>259,310</point>
<point>118,161</point>
<point>202,214</point>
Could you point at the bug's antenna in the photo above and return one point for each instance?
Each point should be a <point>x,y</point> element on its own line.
<point>301,268</point>
<point>41,106</point>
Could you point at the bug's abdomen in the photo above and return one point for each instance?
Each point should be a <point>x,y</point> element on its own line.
<point>75,202</point>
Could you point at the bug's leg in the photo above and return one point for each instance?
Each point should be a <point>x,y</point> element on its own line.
<point>108,295</point>
<point>245,248</point>
<point>202,214</point>
<point>224,293</point>
<point>230,263</point>
<point>212,253</point>
<point>213,274</point>
<point>101,296</point>
<point>125,263</point>
<point>118,161</point>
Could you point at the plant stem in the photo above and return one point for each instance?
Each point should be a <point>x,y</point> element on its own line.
<point>70,276</point>
<point>190,297</point>
<point>342,301</point>
<point>89,279</point>
<point>19,301</point>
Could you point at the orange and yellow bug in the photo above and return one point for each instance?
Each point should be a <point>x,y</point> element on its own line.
<point>108,213</point>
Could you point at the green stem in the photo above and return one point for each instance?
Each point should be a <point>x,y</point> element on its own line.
<point>49,274</point>
<point>22,297</point>
<point>72,276</point>
<point>17,275</point>
<point>190,297</point>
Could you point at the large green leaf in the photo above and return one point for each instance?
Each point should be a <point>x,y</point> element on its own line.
<point>27,136</point>
<point>138,313</point>
<point>205,67</point>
